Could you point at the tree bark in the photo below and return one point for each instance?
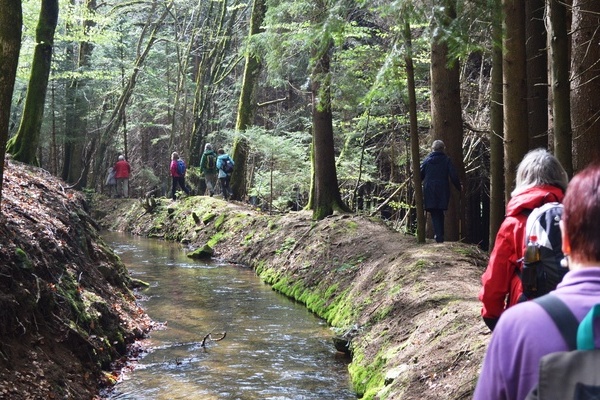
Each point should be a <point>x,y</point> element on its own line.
<point>247,102</point>
<point>241,148</point>
<point>414,133</point>
<point>446,115</point>
<point>496,131</point>
<point>213,67</point>
<point>327,198</point>
<point>516,140</point>
<point>24,145</point>
<point>537,73</point>
<point>586,82</point>
<point>11,21</point>
<point>559,67</point>
<point>76,112</point>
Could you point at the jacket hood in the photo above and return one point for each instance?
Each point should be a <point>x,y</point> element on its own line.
<point>533,197</point>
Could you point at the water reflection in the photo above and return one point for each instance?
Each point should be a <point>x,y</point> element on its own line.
<point>274,348</point>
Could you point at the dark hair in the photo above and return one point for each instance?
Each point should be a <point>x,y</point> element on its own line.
<point>582,213</point>
<point>220,151</point>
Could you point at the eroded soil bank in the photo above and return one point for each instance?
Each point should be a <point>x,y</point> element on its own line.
<point>412,308</point>
<point>67,311</point>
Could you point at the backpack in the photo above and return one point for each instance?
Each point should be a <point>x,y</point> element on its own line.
<point>181,167</point>
<point>570,374</point>
<point>227,166</point>
<point>211,162</point>
<point>541,264</point>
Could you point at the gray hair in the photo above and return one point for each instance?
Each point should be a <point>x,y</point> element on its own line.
<point>540,167</point>
<point>175,156</point>
<point>438,145</point>
<point>208,146</point>
<point>121,158</point>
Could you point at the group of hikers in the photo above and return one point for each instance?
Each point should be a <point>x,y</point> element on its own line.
<point>540,291</point>
<point>213,166</point>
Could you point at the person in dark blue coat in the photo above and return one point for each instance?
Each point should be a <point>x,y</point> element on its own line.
<point>436,173</point>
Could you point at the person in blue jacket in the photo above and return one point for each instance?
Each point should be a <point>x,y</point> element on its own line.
<point>225,166</point>
<point>436,173</point>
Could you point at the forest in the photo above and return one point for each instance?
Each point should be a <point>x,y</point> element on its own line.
<point>328,105</point>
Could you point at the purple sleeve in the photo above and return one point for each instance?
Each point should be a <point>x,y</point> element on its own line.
<point>523,335</point>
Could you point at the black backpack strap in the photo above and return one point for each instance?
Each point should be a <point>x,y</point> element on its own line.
<point>562,316</point>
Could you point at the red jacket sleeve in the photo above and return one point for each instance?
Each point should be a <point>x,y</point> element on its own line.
<point>500,279</point>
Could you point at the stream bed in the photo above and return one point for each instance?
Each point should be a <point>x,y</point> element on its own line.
<point>273,348</point>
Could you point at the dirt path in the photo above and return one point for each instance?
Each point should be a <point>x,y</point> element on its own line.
<point>414,307</point>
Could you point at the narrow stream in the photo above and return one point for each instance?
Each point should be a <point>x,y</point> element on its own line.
<point>273,349</point>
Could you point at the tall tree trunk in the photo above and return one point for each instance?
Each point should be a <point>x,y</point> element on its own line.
<point>537,73</point>
<point>516,140</point>
<point>24,145</point>
<point>414,132</point>
<point>446,115</point>
<point>238,183</point>
<point>327,198</point>
<point>559,67</point>
<point>11,21</point>
<point>213,68</point>
<point>496,130</point>
<point>77,109</point>
<point>586,82</point>
<point>247,102</point>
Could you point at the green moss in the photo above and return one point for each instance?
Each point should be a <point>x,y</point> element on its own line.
<point>368,379</point>
<point>69,291</point>
<point>23,259</point>
<point>248,238</point>
<point>287,245</point>
<point>382,313</point>
<point>352,225</point>
<point>215,239</point>
<point>272,225</point>
<point>220,220</point>
<point>208,217</point>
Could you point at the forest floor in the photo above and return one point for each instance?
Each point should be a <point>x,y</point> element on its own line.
<point>411,309</point>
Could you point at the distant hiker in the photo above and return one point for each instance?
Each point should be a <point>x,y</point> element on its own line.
<point>122,171</point>
<point>436,173</point>
<point>225,165</point>
<point>177,169</point>
<point>208,167</point>
<point>527,332</point>
<point>540,179</point>
<point>111,182</point>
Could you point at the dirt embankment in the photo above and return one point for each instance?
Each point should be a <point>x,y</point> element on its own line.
<point>66,308</point>
<point>412,309</point>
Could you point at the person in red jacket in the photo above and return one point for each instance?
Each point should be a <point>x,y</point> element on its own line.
<point>177,178</point>
<point>540,179</point>
<point>122,170</point>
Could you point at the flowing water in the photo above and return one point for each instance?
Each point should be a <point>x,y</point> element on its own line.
<point>273,348</point>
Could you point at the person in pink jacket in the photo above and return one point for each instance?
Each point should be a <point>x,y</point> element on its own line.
<point>122,170</point>
<point>526,332</point>
<point>177,178</point>
<point>540,179</point>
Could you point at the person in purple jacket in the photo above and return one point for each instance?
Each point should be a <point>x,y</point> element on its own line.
<point>526,332</point>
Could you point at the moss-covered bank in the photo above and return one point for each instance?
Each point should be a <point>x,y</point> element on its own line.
<point>412,308</point>
<point>67,311</point>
